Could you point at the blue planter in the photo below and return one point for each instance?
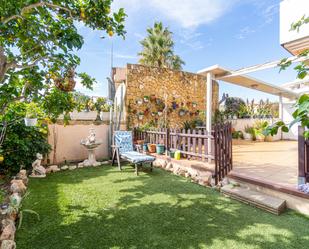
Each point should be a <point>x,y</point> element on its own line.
<point>160,149</point>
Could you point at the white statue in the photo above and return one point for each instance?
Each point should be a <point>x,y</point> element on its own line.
<point>37,169</point>
<point>90,143</point>
<point>91,138</point>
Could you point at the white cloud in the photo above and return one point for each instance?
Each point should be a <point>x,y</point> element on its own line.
<point>124,56</point>
<point>191,38</point>
<point>244,32</point>
<point>187,13</point>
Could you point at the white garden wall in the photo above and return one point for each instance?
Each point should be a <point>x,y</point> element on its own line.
<point>65,141</point>
<point>240,124</point>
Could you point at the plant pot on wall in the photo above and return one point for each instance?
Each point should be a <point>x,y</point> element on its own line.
<point>182,112</point>
<point>140,116</point>
<point>139,101</point>
<point>146,99</point>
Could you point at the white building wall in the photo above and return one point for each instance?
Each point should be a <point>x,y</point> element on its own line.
<point>290,12</point>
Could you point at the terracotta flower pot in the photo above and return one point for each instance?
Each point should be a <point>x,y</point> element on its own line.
<point>152,148</point>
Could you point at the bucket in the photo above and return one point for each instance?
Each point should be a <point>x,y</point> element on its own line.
<point>160,149</point>
<point>177,155</point>
<point>145,148</point>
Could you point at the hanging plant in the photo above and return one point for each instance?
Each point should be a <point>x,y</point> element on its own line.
<point>139,101</point>
<point>140,115</point>
<point>154,114</point>
<point>67,82</point>
<point>159,101</point>
<point>174,105</point>
<point>146,112</point>
<point>146,99</point>
<point>182,112</point>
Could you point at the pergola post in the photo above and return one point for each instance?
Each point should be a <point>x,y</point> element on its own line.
<point>209,111</point>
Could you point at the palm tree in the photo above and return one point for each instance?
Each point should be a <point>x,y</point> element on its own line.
<point>158,49</point>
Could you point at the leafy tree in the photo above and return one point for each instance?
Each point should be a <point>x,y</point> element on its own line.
<point>233,105</point>
<point>301,113</point>
<point>38,42</point>
<point>158,49</point>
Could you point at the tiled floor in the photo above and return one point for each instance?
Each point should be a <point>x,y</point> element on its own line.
<point>267,161</point>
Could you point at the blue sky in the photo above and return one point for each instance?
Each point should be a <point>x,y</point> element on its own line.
<point>231,33</point>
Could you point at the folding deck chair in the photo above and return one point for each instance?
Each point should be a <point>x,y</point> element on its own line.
<point>123,148</point>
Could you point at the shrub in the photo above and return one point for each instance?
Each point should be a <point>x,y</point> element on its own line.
<point>21,142</point>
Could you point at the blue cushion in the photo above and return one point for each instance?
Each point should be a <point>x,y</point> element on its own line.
<point>136,157</point>
<point>123,139</point>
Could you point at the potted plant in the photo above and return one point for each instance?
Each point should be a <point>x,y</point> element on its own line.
<point>139,101</point>
<point>152,148</point>
<point>154,114</point>
<point>32,111</point>
<point>146,99</point>
<point>140,115</point>
<point>259,128</point>
<point>160,148</point>
<point>194,104</point>
<point>182,112</point>
<point>66,82</point>
<point>237,135</point>
<point>248,134</point>
<point>160,113</point>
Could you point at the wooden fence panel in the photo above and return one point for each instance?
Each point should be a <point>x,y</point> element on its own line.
<point>222,150</point>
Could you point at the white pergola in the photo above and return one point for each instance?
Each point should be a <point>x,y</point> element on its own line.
<point>240,78</point>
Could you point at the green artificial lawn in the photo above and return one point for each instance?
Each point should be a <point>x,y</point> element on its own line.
<point>105,208</point>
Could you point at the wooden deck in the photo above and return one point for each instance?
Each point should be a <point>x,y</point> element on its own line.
<point>267,161</point>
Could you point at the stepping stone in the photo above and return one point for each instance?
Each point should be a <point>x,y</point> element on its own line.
<point>263,201</point>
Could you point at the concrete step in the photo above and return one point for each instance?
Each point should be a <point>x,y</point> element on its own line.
<point>258,199</point>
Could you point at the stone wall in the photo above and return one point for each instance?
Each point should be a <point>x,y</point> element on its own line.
<point>149,89</point>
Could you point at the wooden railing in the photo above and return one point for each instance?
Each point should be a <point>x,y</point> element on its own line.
<point>194,144</point>
<point>303,155</point>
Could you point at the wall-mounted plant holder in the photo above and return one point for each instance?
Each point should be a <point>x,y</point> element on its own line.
<point>160,114</point>
<point>146,112</point>
<point>139,101</point>
<point>140,116</point>
<point>194,104</point>
<point>146,99</point>
<point>174,105</point>
<point>182,112</point>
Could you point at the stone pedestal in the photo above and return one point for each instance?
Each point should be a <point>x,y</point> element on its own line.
<point>91,161</point>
